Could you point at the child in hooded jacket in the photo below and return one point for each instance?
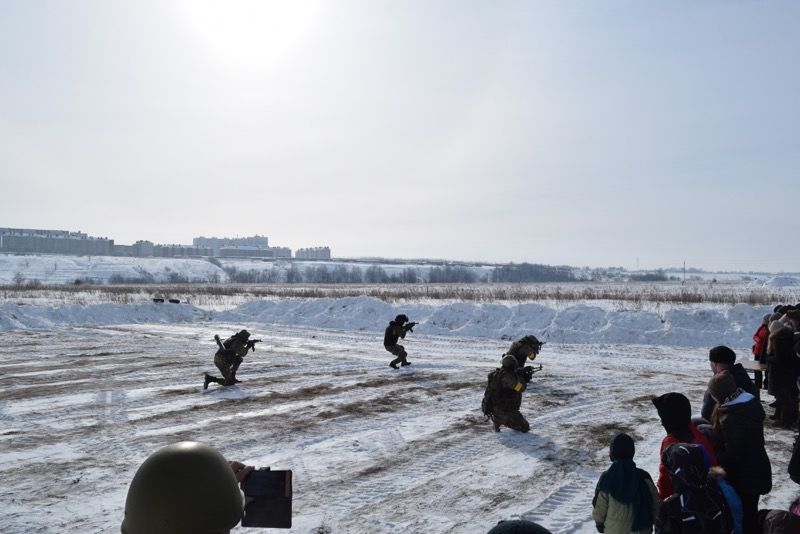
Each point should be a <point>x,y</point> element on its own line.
<point>625,499</point>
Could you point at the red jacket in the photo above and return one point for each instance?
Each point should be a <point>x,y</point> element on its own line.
<point>760,338</point>
<point>664,485</point>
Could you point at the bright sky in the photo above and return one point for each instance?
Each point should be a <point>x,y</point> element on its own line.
<point>582,133</point>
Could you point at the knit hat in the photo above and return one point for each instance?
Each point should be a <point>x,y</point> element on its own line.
<point>622,447</point>
<point>518,526</point>
<point>722,385</point>
<point>722,354</point>
<point>765,319</point>
<point>674,410</point>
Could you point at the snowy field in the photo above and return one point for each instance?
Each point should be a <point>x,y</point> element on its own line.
<point>87,391</point>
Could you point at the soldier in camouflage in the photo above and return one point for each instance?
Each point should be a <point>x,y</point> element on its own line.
<point>503,396</point>
<point>229,356</point>
<point>397,329</point>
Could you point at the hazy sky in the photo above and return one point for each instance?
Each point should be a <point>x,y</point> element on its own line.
<point>564,132</point>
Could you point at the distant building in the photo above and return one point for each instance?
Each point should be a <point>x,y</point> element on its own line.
<point>255,252</point>
<point>313,253</point>
<point>143,249</point>
<point>216,243</point>
<point>35,241</point>
<point>180,251</point>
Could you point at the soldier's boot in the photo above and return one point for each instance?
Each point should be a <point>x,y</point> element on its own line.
<point>393,364</point>
<point>496,426</point>
<point>207,379</point>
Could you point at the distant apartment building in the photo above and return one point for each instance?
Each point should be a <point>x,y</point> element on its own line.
<point>313,253</point>
<point>180,251</point>
<point>35,241</point>
<point>216,243</point>
<point>255,252</point>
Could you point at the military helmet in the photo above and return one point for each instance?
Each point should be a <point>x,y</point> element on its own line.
<point>183,488</point>
<point>244,334</point>
<point>509,362</point>
<point>400,319</point>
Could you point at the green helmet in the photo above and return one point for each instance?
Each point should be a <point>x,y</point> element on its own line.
<point>183,488</point>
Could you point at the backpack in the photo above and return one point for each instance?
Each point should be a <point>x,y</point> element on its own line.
<point>487,404</point>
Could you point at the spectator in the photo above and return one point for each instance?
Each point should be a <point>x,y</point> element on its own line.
<point>783,371</point>
<point>738,423</point>
<point>722,359</point>
<point>185,488</point>
<point>625,499</point>
<point>697,506</point>
<point>675,413</point>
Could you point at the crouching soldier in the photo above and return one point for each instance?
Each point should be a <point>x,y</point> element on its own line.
<point>397,329</point>
<point>503,396</point>
<point>524,349</point>
<point>229,357</point>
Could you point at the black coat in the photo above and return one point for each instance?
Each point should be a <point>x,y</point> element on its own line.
<point>740,428</point>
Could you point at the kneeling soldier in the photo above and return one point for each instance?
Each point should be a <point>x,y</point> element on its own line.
<point>503,396</point>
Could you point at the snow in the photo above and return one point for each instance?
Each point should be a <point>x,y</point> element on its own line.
<point>782,281</point>
<point>88,390</point>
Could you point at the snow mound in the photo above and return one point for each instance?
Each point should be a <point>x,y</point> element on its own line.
<point>782,281</point>
<point>689,326</point>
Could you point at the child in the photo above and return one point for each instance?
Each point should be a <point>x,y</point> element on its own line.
<point>625,500</point>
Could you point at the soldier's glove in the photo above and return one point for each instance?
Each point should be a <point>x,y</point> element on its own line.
<point>527,373</point>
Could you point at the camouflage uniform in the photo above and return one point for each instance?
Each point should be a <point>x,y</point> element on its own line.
<point>228,358</point>
<point>505,391</point>
<point>393,333</point>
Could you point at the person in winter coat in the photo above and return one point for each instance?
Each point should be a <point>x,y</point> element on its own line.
<point>760,339</point>
<point>676,413</point>
<point>783,373</point>
<point>721,359</point>
<point>397,329</point>
<point>738,422</point>
<point>697,506</point>
<point>625,499</point>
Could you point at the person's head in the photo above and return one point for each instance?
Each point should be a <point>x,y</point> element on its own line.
<point>244,335</point>
<point>675,412</point>
<point>721,386</point>
<point>765,319</point>
<point>509,363</point>
<point>518,526</point>
<point>720,358</point>
<point>622,447</point>
<point>401,319</point>
<point>775,325</point>
<point>530,347</point>
<point>183,488</point>
<point>687,465</point>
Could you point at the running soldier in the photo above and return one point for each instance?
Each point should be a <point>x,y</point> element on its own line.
<point>229,357</point>
<point>525,348</point>
<point>397,329</point>
<point>503,396</point>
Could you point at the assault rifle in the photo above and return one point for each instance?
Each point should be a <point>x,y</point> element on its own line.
<point>409,327</point>
<point>526,373</point>
<point>251,344</point>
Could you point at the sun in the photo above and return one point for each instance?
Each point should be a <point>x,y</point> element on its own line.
<point>253,34</point>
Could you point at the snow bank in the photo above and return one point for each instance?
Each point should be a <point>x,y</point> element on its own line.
<point>695,326</point>
<point>782,281</point>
